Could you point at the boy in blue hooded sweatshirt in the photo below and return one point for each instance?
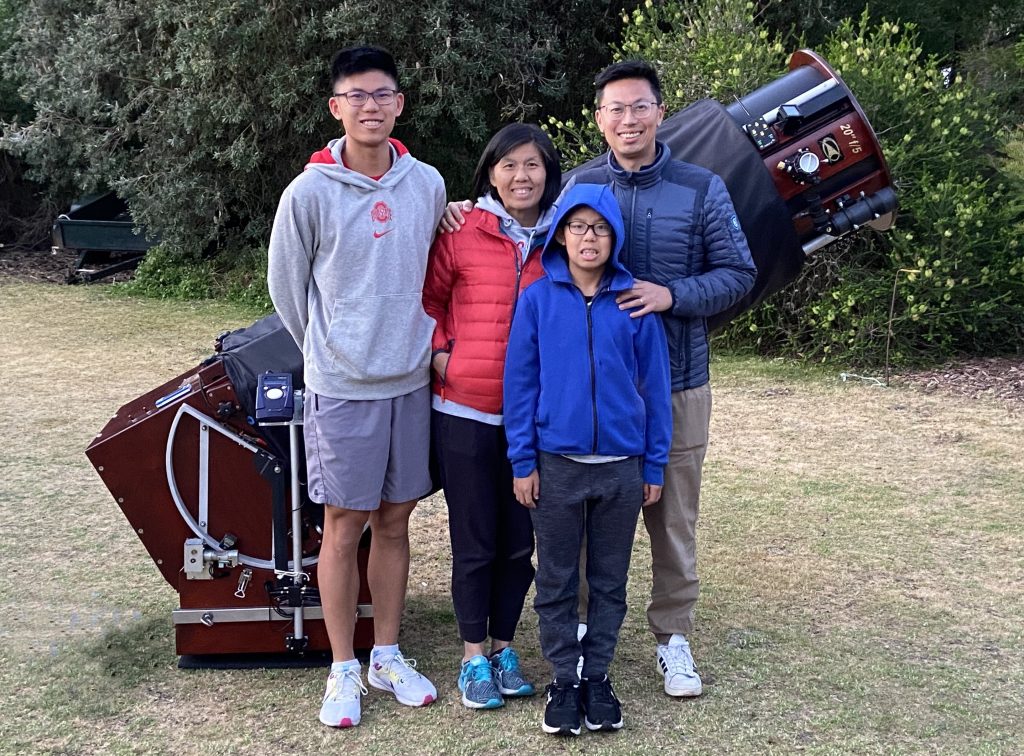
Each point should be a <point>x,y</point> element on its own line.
<point>589,423</point>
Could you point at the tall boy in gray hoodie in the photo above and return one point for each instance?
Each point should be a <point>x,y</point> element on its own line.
<point>348,255</point>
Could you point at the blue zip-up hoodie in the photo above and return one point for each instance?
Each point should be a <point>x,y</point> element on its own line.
<point>586,379</point>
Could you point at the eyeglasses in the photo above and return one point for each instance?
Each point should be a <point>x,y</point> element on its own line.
<point>357,97</point>
<point>579,228</point>
<point>642,109</point>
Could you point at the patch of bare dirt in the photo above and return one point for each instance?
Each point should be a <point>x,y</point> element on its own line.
<point>39,265</point>
<point>989,377</point>
<point>49,265</point>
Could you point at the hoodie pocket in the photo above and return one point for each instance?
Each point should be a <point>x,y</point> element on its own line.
<point>379,338</point>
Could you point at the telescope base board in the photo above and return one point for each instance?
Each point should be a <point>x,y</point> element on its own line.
<point>260,638</point>
<point>255,661</point>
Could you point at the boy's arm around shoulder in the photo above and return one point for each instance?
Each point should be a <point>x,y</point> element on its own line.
<point>655,387</point>
<point>521,389</point>
<point>729,269</point>
<point>290,261</point>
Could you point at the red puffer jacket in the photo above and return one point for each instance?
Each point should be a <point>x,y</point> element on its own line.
<point>474,278</point>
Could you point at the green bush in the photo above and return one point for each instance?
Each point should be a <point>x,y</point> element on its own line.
<point>954,257</point>
<point>167,274</point>
<point>239,275</point>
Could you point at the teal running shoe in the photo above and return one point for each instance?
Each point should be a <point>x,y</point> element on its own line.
<point>478,684</point>
<point>509,675</point>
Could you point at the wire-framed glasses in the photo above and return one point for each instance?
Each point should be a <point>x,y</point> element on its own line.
<point>357,97</point>
<point>641,109</point>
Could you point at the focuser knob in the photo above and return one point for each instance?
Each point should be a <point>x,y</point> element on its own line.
<point>802,166</point>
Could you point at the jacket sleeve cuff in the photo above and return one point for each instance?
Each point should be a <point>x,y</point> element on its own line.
<point>654,474</point>
<point>523,468</point>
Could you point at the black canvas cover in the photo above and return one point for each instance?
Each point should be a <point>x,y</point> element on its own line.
<point>704,134</point>
<point>264,346</point>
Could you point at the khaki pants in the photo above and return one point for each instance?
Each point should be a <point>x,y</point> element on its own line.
<point>672,522</point>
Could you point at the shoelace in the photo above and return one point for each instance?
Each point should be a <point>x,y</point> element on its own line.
<point>560,693</point>
<point>678,660</point>
<point>409,664</point>
<point>480,673</point>
<point>349,675</point>
<point>508,660</point>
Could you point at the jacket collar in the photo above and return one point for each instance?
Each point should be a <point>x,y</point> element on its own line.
<point>646,176</point>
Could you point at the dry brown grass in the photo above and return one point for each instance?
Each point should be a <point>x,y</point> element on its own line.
<point>860,550</point>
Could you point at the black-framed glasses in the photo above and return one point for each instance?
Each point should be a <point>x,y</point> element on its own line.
<point>579,228</point>
<point>357,97</point>
<point>641,109</point>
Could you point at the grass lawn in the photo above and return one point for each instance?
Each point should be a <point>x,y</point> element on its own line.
<point>860,550</point>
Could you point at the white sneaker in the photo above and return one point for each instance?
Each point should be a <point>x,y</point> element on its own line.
<point>398,675</point>
<point>341,707</point>
<point>676,663</point>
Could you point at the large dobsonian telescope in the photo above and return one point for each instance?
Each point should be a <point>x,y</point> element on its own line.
<point>209,468</point>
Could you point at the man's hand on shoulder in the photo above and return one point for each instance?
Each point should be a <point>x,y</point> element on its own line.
<point>645,297</point>
<point>453,219</point>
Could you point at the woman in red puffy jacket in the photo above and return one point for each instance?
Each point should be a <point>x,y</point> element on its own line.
<point>473,281</point>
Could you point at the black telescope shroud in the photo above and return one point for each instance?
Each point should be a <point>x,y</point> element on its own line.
<point>706,135</point>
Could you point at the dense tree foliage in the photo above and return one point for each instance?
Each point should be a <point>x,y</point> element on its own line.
<point>22,220</point>
<point>11,105</point>
<point>952,270</point>
<point>946,28</point>
<point>198,112</point>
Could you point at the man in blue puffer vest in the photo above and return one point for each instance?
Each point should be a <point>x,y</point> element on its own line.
<point>690,259</point>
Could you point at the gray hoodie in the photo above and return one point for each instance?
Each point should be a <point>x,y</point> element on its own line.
<point>525,238</point>
<point>348,254</point>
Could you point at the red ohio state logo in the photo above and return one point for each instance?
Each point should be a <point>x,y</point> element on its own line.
<point>381,213</point>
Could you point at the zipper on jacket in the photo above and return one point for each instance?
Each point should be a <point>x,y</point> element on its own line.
<point>686,352</point>
<point>632,231</point>
<point>521,261</point>
<point>647,236</point>
<point>520,264</point>
<point>593,367</point>
<point>444,378</point>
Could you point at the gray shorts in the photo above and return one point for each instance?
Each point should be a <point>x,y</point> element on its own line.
<point>362,452</point>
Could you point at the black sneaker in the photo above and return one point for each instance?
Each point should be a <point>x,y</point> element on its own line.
<point>602,709</point>
<point>562,713</point>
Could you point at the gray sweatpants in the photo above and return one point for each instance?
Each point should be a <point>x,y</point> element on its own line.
<point>604,499</point>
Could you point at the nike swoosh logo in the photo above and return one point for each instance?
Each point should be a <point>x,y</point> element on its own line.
<point>378,234</point>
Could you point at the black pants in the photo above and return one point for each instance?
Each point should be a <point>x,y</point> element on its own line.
<point>492,538</point>
<point>605,500</point>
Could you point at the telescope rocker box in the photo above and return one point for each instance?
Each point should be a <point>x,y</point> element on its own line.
<point>200,467</point>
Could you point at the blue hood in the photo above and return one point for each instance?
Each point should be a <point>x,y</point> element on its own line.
<point>600,198</point>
